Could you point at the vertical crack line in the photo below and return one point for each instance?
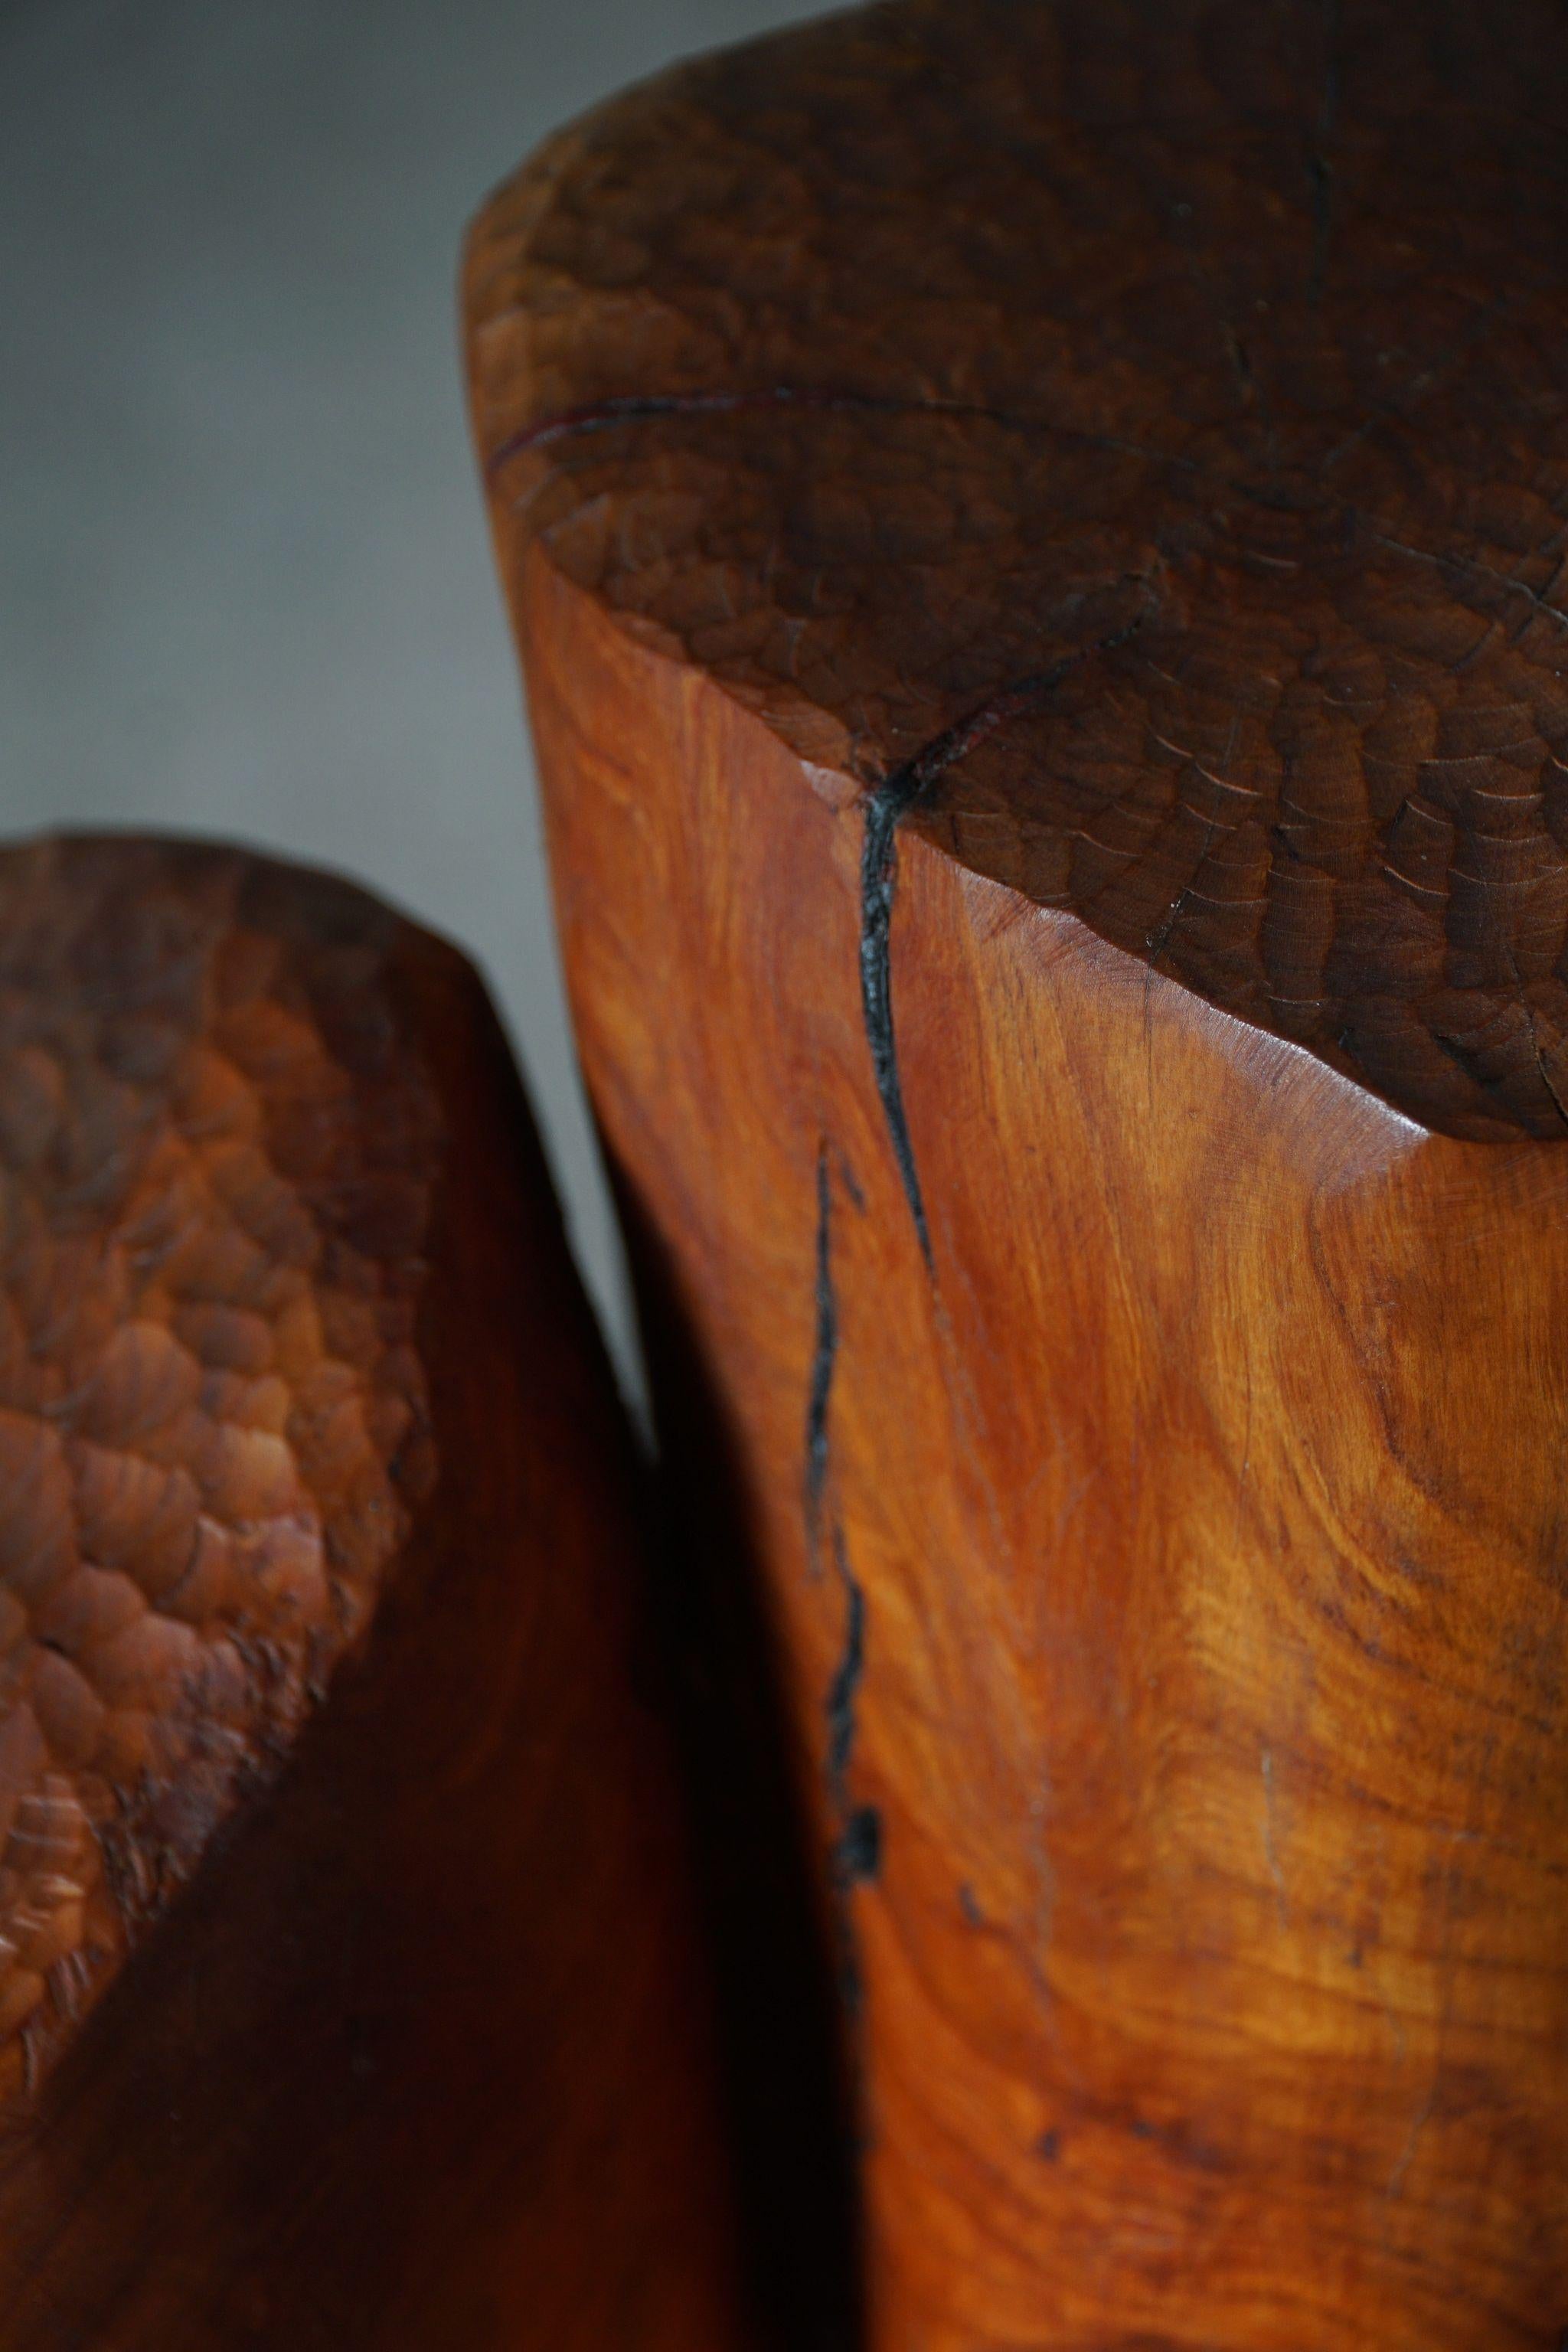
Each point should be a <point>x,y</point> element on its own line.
<point>878,881</point>
<point>823,1353</point>
<point>858,1847</point>
<point>844,1690</point>
<point>885,807</point>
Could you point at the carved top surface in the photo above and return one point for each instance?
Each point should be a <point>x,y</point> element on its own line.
<point>216,1152</point>
<point>1134,433</point>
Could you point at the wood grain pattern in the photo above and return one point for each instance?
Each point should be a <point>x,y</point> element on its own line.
<point>1170,1571</point>
<point>1131,438</point>
<point>366,2005</point>
<point>1032,532</point>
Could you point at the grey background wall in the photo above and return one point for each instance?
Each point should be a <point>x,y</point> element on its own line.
<point>245,583</point>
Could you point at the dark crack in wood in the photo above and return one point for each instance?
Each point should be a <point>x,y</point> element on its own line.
<point>885,806</point>
<point>858,1847</point>
<point>823,1353</point>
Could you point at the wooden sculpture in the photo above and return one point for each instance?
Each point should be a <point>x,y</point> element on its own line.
<point>1037,534</point>
<point>350,1995</point>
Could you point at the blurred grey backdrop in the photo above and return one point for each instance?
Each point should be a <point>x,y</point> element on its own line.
<point>245,581</point>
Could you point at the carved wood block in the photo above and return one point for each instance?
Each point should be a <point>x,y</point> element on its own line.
<point>350,1989</point>
<point>1037,537</point>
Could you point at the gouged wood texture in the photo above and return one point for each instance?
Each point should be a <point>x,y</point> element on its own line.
<point>216,1160</point>
<point>1130,441</point>
<point>1169,1567</point>
<point>359,1993</point>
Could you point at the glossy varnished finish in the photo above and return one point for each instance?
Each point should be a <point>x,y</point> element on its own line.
<point>1109,1185</point>
<point>363,2005</point>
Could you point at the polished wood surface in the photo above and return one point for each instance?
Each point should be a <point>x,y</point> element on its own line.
<point>355,1995</point>
<point>1131,438</point>
<point>1032,532</point>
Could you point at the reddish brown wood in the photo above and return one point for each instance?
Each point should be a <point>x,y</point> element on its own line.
<point>353,1996</point>
<point>1035,534</point>
<point>1130,437</point>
